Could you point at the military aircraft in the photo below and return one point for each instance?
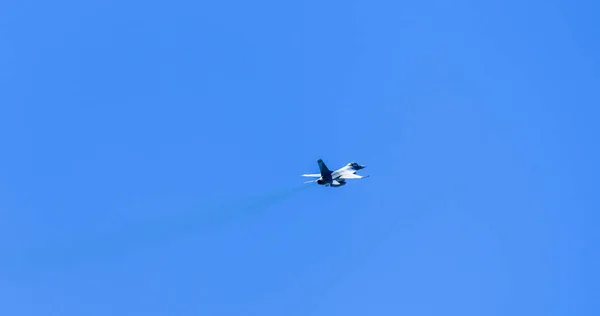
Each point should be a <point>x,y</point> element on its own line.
<point>335,178</point>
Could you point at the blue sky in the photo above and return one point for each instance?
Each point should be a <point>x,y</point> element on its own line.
<point>151,154</point>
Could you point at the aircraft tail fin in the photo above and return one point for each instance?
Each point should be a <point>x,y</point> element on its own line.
<point>325,172</point>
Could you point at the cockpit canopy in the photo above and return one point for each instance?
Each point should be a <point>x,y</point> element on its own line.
<point>355,165</point>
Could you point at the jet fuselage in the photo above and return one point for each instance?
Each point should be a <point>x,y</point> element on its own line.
<point>336,178</point>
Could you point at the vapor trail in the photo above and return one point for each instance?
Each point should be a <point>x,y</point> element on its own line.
<point>135,235</point>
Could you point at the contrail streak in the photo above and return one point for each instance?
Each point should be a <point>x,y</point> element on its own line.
<point>135,235</point>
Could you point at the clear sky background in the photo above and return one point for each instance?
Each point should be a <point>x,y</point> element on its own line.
<point>151,155</point>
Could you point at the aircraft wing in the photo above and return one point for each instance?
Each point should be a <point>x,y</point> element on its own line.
<point>349,175</point>
<point>316,175</point>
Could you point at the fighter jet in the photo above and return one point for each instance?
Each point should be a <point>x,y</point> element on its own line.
<point>335,178</point>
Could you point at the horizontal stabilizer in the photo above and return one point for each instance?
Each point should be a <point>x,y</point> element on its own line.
<point>315,175</point>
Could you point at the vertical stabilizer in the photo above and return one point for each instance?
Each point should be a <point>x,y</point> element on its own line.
<point>325,172</point>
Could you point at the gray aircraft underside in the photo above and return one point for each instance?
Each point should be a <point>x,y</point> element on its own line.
<point>337,177</point>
